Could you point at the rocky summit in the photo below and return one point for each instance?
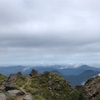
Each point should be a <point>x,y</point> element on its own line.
<point>91,89</point>
<point>46,86</point>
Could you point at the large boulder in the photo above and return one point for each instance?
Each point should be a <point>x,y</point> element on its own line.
<point>33,72</point>
<point>3,96</point>
<point>91,89</point>
<point>19,74</point>
<point>13,77</point>
<point>10,87</point>
<point>16,92</point>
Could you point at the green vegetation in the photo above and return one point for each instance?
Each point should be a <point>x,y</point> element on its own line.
<point>2,79</point>
<point>51,86</point>
<point>39,97</point>
<point>20,81</point>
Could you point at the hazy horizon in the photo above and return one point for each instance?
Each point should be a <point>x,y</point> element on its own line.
<point>49,32</point>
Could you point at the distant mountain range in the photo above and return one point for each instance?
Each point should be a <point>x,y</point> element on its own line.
<point>81,78</point>
<point>13,69</point>
<point>64,70</point>
<point>75,75</point>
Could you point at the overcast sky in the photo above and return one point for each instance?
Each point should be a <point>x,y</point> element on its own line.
<point>49,31</point>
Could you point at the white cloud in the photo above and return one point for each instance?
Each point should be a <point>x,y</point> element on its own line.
<point>68,29</point>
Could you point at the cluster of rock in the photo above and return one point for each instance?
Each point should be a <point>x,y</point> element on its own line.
<point>13,77</point>
<point>46,86</point>
<point>9,91</point>
<point>33,72</point>
<point>91,88</point>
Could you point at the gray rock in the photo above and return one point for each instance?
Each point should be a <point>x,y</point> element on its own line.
<point>28,97</point>
<point>13,77</point>
<point>15,92</point>
<point>3,96</point>
<point>33,72</point>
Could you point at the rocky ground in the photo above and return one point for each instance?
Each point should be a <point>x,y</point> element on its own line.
<point>46,86</point>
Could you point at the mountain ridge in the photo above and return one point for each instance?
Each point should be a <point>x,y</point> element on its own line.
<point>46,86</point>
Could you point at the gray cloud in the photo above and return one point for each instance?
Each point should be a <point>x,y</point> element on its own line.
<point>58,31</point>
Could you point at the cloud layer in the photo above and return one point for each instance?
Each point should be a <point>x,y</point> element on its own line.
<point>49,31</point>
